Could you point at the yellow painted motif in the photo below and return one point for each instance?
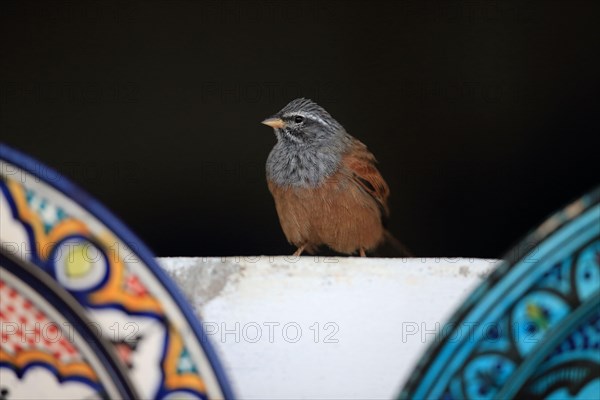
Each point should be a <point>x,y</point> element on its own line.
<point>174,379</point>
<point>76,263</point>
<point>66,370</point>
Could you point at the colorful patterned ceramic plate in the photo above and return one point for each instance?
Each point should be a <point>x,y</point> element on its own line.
<point>48,348</point>
<point>532,330</point>
<point>49,222</point>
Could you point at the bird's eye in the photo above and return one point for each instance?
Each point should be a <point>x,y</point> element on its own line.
<point>298,119</point>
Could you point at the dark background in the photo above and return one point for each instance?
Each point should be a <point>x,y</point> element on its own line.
<point>483,115</point>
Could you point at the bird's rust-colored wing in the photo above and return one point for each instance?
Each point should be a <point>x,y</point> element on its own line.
<point>359,163</point>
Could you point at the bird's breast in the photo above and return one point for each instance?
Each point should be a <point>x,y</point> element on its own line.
<point>301,168</point>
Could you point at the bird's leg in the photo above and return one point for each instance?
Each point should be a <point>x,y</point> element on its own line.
<point>299,251</point>
<point>362,252</point>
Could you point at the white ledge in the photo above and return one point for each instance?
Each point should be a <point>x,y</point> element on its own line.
<point>317,327</point>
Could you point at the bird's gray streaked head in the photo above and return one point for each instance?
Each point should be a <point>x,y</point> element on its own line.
<point>309,147</point>
<point>303,121</point>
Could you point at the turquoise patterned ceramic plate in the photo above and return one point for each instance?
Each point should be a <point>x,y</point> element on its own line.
<point>532,329</point>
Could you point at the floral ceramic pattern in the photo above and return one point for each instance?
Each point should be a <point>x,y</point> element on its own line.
<point>98,261</point>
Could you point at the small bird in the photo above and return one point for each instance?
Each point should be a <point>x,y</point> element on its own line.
<point>325,184</point>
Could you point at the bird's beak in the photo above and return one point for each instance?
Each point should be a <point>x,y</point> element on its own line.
<point>274,122</point>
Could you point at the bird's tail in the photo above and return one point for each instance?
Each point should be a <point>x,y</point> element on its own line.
<point>397,245</point>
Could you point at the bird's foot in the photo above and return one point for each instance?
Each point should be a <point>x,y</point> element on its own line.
<point>299,251</point>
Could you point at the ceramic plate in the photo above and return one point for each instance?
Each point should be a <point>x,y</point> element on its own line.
<point>48,348</point>
<point>532,329</point>
<point>49,222</point>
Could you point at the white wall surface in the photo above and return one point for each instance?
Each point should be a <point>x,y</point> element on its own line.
<point>326,328</point>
